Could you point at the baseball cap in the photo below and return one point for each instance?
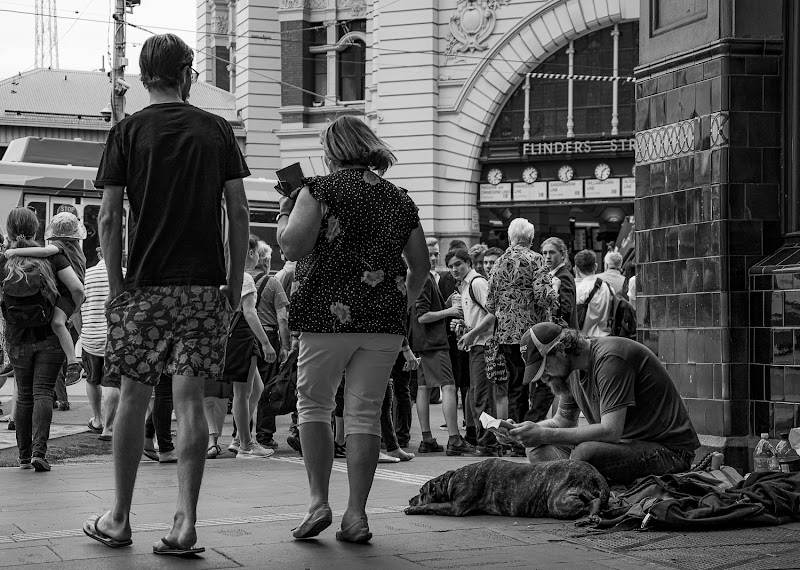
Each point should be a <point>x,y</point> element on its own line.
<point>536,344</point>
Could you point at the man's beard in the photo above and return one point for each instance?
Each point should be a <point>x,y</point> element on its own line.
<point>558,386</point>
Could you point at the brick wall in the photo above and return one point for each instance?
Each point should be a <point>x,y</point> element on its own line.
<point>708,186</point>
<point>294,68</point>
<point>774,389</point>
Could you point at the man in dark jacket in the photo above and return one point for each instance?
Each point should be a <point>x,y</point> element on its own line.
<point>428,339</point>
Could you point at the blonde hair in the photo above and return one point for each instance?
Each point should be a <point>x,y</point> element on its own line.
<point>264,255</point>
<point>22,226</point>
<point>348,142</point>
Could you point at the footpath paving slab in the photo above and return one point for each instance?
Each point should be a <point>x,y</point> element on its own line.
<point>247,511</point>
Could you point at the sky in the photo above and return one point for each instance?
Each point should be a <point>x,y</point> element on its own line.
<point>83,42</point>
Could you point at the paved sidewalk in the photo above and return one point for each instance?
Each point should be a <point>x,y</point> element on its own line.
<point>248,508</point>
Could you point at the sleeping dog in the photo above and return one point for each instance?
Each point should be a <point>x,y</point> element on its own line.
<point>564,489</point>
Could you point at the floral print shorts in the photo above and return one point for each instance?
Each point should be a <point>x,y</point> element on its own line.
<point>174,329</point>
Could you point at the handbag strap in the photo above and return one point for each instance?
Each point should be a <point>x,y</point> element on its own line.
<point>239,313</point>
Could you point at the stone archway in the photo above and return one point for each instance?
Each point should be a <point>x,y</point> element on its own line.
<point>527,44</point>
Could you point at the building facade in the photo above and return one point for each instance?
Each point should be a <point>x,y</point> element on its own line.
<point>581,115</point>
<point>716,211</point>
<point>445,83</point>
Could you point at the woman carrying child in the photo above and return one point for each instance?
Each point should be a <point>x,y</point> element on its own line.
<point>64,233</point>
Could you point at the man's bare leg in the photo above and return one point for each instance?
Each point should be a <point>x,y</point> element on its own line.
<point>127,444</point>
<point>187,398</point>
<point>94,392</point>
<point>110,403</point>
<point>450,409</point>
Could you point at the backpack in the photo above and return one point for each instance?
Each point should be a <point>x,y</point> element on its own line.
<point>280,392</point>
<point>24,302</point>
<point>622,317</point>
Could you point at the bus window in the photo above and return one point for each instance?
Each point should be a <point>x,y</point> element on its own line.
<point>92,241</point>
<point>41,213</point>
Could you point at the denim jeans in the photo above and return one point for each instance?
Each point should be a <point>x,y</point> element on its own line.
<point>402,398</point>
<point>159,422</point>
<point>518,402</point>
<point>620,463</point>
<point>36,365</point>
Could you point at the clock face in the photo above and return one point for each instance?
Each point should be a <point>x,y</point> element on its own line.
<point>602,171</point>
<point>529,175</point>
<point>565,173</point>
<point>495,176</point>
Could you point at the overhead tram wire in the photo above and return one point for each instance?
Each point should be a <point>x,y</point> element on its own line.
<point>379,49</point>
<point>265,76</point>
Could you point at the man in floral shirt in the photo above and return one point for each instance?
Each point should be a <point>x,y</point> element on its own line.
<point>521,295</point>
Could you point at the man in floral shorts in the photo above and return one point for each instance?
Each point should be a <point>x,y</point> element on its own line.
<point>171,312</point>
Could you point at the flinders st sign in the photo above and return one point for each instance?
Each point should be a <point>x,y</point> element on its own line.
<point>551,148</point>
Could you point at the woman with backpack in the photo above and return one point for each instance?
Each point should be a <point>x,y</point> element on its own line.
<point>31,287</point>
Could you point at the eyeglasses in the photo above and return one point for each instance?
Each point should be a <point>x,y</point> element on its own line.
<point>195,74</point>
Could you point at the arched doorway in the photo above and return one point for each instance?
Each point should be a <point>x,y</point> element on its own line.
<point>561,150</point>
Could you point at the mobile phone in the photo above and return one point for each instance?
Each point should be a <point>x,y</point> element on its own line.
<point>290,179</point>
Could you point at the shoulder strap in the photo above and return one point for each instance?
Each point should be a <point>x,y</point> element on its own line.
<point>597,284</point>
<point>262,286</point>
<point>239,314</point>
<point>472,294</point>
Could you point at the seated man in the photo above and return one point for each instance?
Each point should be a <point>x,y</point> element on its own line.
<point>638,424</point>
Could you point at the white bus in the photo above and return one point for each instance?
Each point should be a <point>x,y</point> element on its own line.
<point>44,174</point>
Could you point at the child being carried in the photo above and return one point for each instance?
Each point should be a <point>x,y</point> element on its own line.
<point>64,234</point>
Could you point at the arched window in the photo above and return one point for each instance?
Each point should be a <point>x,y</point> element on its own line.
<point>352,67</point>
<point>592,100</point>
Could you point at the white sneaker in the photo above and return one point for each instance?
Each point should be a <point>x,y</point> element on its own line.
<point>234,446</point>
<point>254,450</point>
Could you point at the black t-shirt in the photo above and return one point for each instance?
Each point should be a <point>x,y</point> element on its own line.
<point>174,160</point>
<point>625,374</point>
<point>16,335</point>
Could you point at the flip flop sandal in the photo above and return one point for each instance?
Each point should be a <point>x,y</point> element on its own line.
<point>91,530</point>
<point>105,438</point>
<point>213,451</point>
<point>94,429</point>
<point>169,548</point>
<point>150,454</point>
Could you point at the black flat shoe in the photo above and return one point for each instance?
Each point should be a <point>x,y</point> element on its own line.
<point>430,446</point>
<point>314,522</point>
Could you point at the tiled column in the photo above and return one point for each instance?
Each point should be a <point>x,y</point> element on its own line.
<point>707,209</point>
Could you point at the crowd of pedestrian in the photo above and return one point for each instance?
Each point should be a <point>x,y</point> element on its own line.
<point>365,309</point>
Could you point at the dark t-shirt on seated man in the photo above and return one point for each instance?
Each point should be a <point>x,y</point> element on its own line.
<point>623,373</point>
<point>156,153</point>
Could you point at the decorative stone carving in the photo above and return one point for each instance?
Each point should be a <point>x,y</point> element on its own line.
<point>472,24</point>
<point>220,25</point>
<point>319,4</point>
<point>357,7</point>
<point>293,3</point>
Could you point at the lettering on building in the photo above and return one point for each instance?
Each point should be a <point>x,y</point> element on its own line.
<point>576,147</point>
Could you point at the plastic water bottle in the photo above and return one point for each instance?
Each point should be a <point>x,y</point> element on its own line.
<point>764,455</point>
<point>787,457</point>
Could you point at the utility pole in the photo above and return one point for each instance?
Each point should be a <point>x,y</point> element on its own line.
<point>118,64</point>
